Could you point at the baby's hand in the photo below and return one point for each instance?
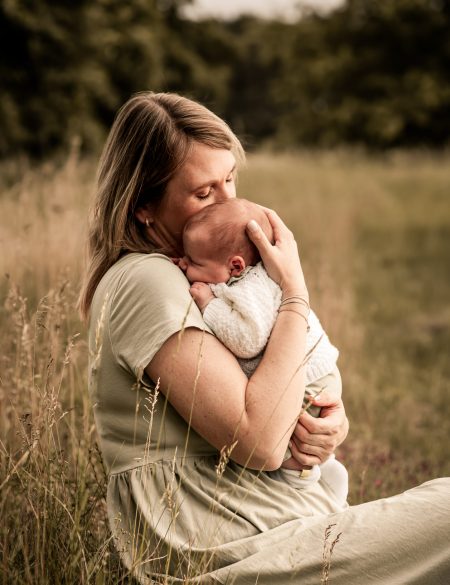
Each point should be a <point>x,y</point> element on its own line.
<point>202,294</point>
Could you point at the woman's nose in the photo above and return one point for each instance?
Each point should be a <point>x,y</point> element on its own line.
<point>225,192</point>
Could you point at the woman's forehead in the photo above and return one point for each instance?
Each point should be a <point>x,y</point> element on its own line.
<point>206,165</point>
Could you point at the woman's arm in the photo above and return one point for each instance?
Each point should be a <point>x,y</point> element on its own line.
<point>205,384</point>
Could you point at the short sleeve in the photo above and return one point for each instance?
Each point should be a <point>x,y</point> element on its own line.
<point>150,303</point>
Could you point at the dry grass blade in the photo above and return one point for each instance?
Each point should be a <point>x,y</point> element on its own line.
<point>328,548</point>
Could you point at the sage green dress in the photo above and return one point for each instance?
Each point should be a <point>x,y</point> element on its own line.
<point>178,516</point>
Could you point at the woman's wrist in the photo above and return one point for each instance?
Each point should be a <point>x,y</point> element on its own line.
<point>295,300</point>
<point>298,303</point>
<point>294,292</point>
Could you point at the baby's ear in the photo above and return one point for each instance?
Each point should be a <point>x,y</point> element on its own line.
<point>236,265</point>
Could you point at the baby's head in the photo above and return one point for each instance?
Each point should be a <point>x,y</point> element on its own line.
<point>215,241</point>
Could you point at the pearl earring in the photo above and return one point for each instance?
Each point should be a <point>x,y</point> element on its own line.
<point>147,222</point>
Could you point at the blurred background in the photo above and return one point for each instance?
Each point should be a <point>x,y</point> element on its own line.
<point>289,73</point>
<point>344,109</point>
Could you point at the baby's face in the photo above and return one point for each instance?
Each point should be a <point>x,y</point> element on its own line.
<point>198,264</point>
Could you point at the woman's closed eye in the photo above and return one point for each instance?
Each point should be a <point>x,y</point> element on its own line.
<point>207,193</point>
<point>204,195</point>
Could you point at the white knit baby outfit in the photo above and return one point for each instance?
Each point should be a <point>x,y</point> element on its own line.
<point>242,316</point>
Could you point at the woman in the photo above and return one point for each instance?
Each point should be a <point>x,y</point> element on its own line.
<point>186,438</point>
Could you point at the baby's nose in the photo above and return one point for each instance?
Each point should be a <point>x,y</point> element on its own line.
<point>183,264</point>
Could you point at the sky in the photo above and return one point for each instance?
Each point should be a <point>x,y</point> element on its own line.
<point>282,9</point>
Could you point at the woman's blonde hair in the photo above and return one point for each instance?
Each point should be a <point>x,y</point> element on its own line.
<point>150,139</point>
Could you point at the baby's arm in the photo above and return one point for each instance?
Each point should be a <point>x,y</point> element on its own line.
<point>202,294</point>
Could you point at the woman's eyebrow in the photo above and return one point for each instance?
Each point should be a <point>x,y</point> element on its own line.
<point>206,183</point>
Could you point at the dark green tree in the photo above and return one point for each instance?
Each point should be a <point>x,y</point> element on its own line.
<point>39,91</point>
<point>67,67</point>
<point>376,73</point>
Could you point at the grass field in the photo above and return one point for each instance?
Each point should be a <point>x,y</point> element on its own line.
<point>374,237</point>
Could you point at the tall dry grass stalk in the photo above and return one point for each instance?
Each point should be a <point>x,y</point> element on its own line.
<point>52,482</point>
<point>43,224</point>
<point>372,234</point>
<point>327,553</point>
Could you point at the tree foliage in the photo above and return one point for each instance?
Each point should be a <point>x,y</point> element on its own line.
<point>374,73</point>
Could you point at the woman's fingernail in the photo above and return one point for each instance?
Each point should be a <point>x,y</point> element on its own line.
<point>252,225</point>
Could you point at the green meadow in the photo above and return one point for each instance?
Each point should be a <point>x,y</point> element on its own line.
<point>374,239</point>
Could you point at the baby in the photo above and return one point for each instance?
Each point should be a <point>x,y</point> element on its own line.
<point>240,303</point>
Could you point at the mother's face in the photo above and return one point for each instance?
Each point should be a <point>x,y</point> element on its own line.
<point>206,177</point>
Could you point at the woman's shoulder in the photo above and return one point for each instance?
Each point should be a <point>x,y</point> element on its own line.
<point>136,277</point>
<point>137,268</point>
<point>143,299</point>
<point>136,262</point>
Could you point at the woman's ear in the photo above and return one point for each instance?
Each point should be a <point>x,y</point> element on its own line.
<point>144,215</point>
<point>236,265</point>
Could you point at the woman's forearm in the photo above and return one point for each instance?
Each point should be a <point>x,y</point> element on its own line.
<point>274,394</point>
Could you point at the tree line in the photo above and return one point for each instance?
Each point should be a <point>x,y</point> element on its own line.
<point>370,73</point>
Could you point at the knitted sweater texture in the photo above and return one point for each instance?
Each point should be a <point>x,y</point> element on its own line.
<point>242,316</point>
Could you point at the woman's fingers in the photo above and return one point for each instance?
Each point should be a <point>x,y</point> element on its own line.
<point>303,436</point>
<point>258,237</point>
<point>326,398</point>
<point>320,449</point>
<point>317,426</point>
<point>280,259</point>
<point>305,458</point>
<point>278,227</point>
<point>320,445</point>
<point>320,437</point>
<point>332,420</point>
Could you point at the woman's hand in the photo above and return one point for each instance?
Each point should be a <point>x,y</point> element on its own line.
<point>315,439</point>
<point>281,259</point>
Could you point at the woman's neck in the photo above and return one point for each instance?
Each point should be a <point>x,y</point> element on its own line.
<point>165,241</point>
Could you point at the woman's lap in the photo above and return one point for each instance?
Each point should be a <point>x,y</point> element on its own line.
<point>399,540</point>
